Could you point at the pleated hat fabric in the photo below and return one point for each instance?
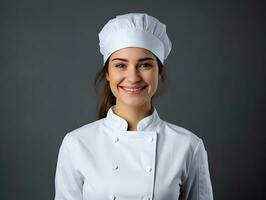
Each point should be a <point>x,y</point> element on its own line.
<point>134,30</point>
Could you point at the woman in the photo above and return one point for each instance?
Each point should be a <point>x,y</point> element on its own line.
<point>130,153</point>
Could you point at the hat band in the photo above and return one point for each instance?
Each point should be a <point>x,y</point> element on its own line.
<point>132,38</point>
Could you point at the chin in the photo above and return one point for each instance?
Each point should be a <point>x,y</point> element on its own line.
<point>135,103</point>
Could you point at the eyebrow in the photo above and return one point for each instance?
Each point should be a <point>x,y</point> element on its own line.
<point>142,59</point>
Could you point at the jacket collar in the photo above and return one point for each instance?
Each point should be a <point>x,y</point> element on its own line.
<point>149,123</point>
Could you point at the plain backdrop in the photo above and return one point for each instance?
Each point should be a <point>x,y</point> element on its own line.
<point>49,56</point>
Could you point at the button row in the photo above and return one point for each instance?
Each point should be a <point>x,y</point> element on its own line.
<point>148,169</point>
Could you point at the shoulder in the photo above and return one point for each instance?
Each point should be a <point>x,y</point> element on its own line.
<point>86,131</point>
<point>181,135</point>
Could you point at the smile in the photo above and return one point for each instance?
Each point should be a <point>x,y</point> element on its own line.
<point>133,90</point>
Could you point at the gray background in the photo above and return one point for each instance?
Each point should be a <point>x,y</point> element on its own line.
<point>49,57</point>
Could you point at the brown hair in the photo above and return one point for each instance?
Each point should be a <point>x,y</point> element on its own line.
<point>107,99</point>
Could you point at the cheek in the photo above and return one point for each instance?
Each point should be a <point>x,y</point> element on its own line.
<point>113,88</point>
<point>153,84</point>
<point>114,79</point>
<point>153,79</point>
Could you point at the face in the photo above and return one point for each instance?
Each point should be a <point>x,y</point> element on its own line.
<point>133,75</point>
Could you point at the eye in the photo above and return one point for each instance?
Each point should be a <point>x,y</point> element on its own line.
<point>120,66</point>
<point>145,65</point>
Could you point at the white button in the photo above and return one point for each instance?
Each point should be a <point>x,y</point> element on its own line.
<point>115,139</point>
<point>148,169</point>
<point>115,167</point>
<point>112,197</point>
<point>150,139</point>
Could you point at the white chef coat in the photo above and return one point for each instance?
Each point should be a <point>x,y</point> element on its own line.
<point>160,161</point>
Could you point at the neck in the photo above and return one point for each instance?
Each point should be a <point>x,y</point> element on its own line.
<point>132,114</point>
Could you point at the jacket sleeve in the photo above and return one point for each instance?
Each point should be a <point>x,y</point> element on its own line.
<point>68,181</point>
<point>197,185</point>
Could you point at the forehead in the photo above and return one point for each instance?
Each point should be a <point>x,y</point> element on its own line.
<point>133,53</point>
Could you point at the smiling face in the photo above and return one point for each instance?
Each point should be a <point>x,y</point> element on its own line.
<point>133,75</point>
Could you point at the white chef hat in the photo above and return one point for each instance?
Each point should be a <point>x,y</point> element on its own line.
<point>134,30</point>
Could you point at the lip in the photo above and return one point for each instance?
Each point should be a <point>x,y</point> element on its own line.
<point>133,89</point>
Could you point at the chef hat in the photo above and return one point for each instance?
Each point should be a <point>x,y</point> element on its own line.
<point>134,30</point>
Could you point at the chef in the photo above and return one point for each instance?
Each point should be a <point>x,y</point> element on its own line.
<point>130,153</point>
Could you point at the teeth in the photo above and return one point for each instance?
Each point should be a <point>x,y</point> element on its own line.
<point>131,89</point>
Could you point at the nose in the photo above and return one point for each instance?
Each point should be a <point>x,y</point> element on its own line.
<point>133,75</point>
